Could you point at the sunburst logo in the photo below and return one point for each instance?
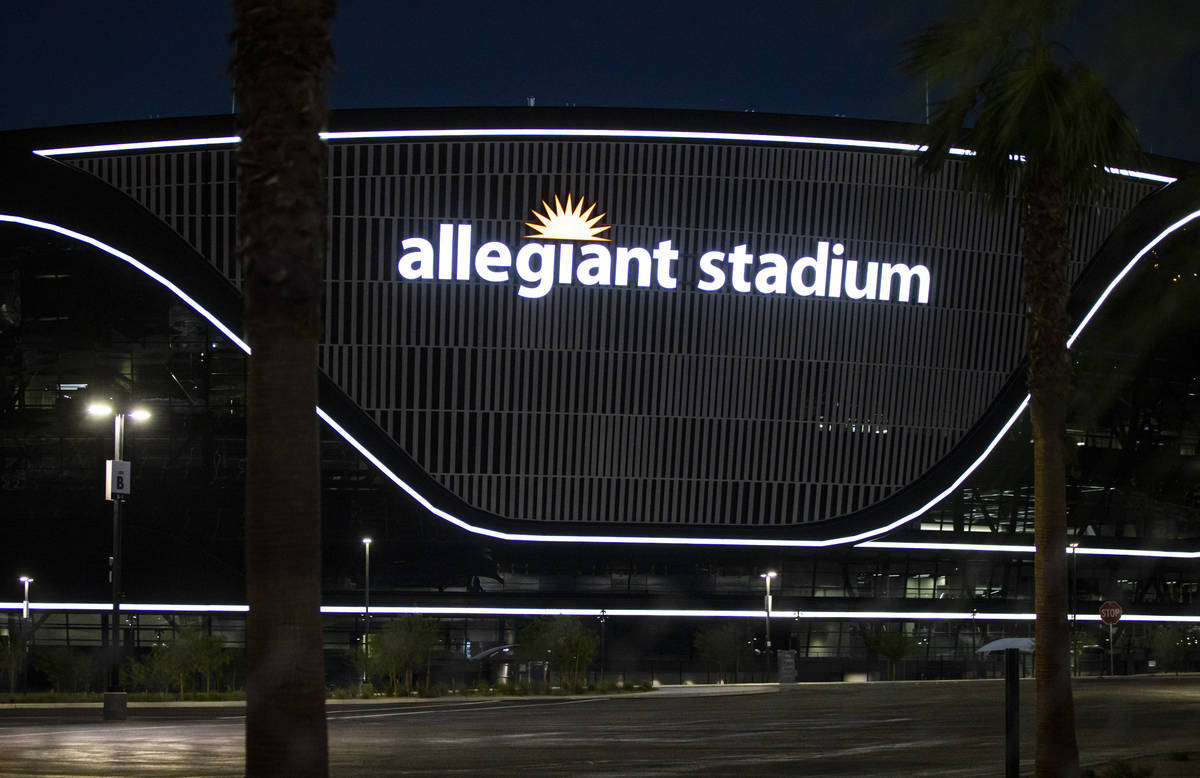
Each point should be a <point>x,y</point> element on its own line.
<point>567,223</point>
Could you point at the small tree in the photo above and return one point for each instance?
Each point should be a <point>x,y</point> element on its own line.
<point>566,643</point>
<point>8,660</point>
<point>892,646</point>
<point>725,646</point>
<point>401,647</point>
<point>1167,646</point>
<point>154,672</point>
<point>68,669</point>
<point>196,652</point>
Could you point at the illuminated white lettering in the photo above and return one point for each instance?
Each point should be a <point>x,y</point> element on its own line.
<point>906,275</point>
<point>541,276</point>
<point>820,274</point>
<point>624,257</point>
<point>596,267</point>
<point>539,266</point>
<point>664,255</point>
<point>715,275</point>
<point>445,252</point>
<point>835,267</point>
<point>738,260</point>
<point>853,291</point>
<point>566,261</point>
<point>492,261</point>
<point>418,262</point>
<point>771,277</point>
<point>462,260</point>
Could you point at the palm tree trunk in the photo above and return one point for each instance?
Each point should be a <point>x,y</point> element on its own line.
<point>1045,249</point>
<point>282,50</point>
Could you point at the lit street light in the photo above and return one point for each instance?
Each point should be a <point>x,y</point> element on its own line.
<point>25,608</point>
<point>767,576</point>
<point>116,490</point>
<point>366,608</point>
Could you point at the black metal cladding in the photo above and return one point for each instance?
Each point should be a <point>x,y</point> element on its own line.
<point>652,406</point>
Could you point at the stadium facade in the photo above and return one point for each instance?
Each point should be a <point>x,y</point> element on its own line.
<point>607,362</point>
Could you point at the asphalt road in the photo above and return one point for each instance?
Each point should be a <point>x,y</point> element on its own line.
<point>937,728</point>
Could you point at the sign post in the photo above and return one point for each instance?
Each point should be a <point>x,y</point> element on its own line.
<point>1110,614</point>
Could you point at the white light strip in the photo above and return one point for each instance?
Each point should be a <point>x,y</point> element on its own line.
<point>121,255</point>
<point>1125,271</point>
<point>1118,171</point>
<point>1137,552</point>
<point>441,610</point>
<point>132,607</point>
<point>559,132</point>
<point>139,146</point>
<point>926,546</point>
<point>1023,549</point>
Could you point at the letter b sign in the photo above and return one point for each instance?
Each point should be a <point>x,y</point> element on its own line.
<point>116,479</point>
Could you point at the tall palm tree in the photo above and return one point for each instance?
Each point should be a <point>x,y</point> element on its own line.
<point>281,54</point>
<point>1043,128</point>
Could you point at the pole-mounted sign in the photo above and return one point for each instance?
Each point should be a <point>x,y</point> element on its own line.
<point>116,479</point>
<point>1110,614</point>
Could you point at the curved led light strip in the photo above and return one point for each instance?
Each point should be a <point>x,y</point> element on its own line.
<point>701,613</point>
<point>121,255</point>
<point>558,132</point>
<point>618,539</point>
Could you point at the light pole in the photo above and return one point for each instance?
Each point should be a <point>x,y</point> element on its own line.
<point>1074,606</point>
<point>767,576</point>
<point>116,491</point>
<point>366,608</point>
<point>25,607</point>
<point>603,620</point>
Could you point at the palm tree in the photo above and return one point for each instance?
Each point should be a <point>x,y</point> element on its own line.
<point>1062,125</point>
<point>281,53</point>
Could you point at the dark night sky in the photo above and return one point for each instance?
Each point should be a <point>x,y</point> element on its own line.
<point>80,61</point>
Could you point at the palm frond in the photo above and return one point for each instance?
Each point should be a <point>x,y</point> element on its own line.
<point>1004,81</point>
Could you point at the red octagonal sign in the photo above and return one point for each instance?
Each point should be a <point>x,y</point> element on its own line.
<point>1110,612</point>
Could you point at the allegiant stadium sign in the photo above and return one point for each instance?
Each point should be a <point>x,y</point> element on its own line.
<point>539,266</point>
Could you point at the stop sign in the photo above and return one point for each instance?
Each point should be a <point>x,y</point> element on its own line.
<point>1110,613</point>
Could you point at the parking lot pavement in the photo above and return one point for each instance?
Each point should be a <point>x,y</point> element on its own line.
<point>951,728</point>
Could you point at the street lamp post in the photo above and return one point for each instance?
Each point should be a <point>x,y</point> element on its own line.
<point>767,576</point>
<point>366,608</point>
<point>25,607</point>
<point>603,620</point>
<point>1074,606</point>
<point>116,491</point>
